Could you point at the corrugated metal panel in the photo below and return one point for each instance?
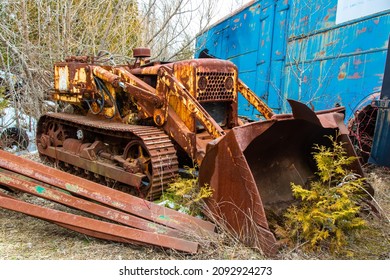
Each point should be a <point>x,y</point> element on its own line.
<point>294,49</point>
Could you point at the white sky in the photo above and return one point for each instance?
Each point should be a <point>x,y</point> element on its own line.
<point>228,6</point>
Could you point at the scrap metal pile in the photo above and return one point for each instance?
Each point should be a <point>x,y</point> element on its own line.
<point>117,216</point>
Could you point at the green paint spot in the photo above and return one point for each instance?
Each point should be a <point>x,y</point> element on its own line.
<point>156,228</point>
<point>163,217</point>
<point>40,189</point>
<point>72,188</point>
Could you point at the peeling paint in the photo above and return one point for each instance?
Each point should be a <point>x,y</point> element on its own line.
<point>335,55</point>
<point>118,204</point>
<point>5,179</point>
<point>355,76</point>
<point>341,76</point>
<point>72,187</point>
<point>40,189</point>
<point>304,19</point>
<point>357,62</point>
<point>360,31</point>
<point>331,43</point>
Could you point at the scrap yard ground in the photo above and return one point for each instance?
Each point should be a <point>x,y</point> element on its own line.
<point>26,238</point>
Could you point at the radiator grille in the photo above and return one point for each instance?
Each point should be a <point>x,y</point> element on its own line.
<point>216,88</point>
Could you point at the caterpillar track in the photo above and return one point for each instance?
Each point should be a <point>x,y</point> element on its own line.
<point>140,160</point>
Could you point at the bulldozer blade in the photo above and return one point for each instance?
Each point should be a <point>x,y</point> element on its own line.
<point>252,167</point>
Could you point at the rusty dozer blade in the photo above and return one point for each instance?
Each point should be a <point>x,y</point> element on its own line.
<point>252,167</point>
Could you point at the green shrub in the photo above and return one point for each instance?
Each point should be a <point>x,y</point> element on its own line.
<point>327,213</point>
<point>185,194</point>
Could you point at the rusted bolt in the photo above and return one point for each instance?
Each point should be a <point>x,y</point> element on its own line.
<point>45,141</point>
<point>158,120</point>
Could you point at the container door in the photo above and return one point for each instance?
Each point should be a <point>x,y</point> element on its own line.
<point>271,53</point>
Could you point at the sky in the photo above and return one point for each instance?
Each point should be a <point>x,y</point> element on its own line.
<point>228,6</point>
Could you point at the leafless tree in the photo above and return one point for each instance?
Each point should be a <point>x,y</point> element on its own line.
<point>170,26</point>
<point>37,33</point>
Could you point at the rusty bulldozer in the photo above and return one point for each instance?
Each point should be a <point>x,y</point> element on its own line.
<point>133,127</point>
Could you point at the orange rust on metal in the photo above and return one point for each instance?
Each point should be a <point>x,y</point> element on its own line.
<point>160,148</point>
<point>107,196</point>
<point>105,75</point>
<point>139,89</point>
<point>47,192</point>
<point>102,169</point>
<point>99,235</point>
<point>141,52</point>
<point>191,103</point>
<point>181,133</point>
<point>72,80</point>
<point>104,229</point>
<point>254,100</point>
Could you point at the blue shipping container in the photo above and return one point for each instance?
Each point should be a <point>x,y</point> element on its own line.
<point>323,53</point>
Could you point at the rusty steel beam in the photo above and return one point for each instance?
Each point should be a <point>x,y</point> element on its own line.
<point>98,235</point>
<point>43,191</point>
<point>254,100</point>
<point>110,197</point>
<point>98,228</point>
<point>190,102</point>
<point>137,88</point>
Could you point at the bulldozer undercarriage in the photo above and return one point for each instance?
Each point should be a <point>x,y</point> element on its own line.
<point>140,160</point>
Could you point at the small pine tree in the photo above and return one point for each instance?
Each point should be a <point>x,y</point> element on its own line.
<point>327,212</point>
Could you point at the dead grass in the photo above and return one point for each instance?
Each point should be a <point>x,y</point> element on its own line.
<point>27,238</point>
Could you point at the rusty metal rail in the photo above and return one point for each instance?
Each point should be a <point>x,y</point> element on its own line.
<point>136,220</point>
<point>98,228</point>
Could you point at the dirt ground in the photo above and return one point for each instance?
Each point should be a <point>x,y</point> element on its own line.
<point>26,238</point>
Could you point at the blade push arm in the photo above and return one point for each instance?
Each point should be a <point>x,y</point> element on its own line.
<point>254,100</point>
<point>190,102</point>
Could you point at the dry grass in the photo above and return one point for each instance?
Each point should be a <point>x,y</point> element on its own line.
<point>27,238</point>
